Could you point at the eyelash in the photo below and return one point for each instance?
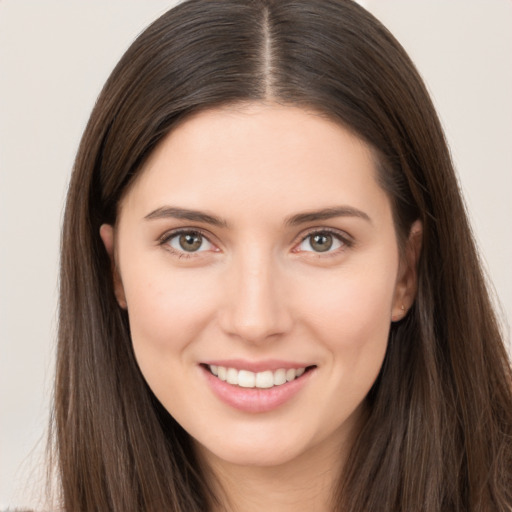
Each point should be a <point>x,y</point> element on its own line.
<point>344,239</point>
<point>167,237</point>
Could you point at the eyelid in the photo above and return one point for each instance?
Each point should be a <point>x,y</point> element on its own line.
<point>342,236</point>
<point>168,235</point>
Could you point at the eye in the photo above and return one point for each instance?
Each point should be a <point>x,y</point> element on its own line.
<point>188,242</point>
<point>322,241</point>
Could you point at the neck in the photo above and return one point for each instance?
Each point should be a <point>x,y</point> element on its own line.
<point>305,483</point>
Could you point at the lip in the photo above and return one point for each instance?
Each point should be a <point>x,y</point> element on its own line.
<point>257,366</point>
<point>255,400</point>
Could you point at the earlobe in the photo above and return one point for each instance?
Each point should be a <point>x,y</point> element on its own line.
<point>407,283</point>
<point>107,235</point>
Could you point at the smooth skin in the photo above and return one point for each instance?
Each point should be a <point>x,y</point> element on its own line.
<point>260,281</point>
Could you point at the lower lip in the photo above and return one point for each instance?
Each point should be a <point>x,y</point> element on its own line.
<point>256,400</point>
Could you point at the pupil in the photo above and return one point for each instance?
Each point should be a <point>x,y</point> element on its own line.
<point>321,243</point>
<point>190,242</point>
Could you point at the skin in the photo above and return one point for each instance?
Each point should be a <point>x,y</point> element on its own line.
<point>257,290</point>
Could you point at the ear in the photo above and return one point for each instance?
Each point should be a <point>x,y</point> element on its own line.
<point>407,281</point>
<point>107,234</point>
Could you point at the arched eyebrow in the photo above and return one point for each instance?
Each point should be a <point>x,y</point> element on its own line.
<point>166,212</point>
<point>325,214</point>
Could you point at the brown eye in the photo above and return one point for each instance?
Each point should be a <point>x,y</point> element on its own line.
<point>189,242</point>
<point>321,242</point>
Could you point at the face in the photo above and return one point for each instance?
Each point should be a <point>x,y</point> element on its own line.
<point>257,258</point>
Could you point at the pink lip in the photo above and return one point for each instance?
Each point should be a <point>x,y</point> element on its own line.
<point>255,400</point>
<point>257,366</point>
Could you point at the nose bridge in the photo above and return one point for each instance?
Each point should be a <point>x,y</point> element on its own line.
<point>256,308</point>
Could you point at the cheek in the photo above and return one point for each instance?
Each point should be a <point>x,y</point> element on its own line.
<point>166,309</point>
<point>351,321</point>
<point>350,306</point>
<point>168,312</point>
<point>349,314</point>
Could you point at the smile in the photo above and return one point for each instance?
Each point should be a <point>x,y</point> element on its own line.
<point>262,380</point>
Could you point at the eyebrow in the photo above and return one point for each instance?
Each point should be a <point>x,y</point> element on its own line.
<point>166,212</point>
<point>325,214</point>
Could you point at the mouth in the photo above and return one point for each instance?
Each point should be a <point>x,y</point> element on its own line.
<point>261,380</point>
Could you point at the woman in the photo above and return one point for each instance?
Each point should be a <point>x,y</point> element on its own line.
<point>270,297</point>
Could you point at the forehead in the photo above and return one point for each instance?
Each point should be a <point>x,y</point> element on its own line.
<point>256,157</point>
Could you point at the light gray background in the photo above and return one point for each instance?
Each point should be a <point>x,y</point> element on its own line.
<point>55,56</point>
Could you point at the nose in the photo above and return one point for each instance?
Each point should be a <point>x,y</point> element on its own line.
<point>255,308</point>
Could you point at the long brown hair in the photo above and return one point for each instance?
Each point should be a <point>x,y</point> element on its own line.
<point>438,435</point>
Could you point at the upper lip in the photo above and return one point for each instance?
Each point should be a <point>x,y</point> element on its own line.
<point>257,366</point>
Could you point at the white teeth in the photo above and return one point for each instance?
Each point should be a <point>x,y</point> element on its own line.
<point>263,380</point>
<point>232,376</point>
<point>221,372</point>
<point>246,379</point>
<point>291,374</point>
<point>279,377</point>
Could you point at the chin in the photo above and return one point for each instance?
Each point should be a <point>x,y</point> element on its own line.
<point>248,451</point>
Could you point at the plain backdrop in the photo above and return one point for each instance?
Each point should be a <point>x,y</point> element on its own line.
<point>54,57</point>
